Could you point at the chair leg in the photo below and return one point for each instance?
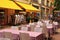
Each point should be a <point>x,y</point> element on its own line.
<point>49,38</point>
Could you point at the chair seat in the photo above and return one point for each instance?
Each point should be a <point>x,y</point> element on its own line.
<point>8,35</point>
<point>24,36</point>
<point>24,28</point>
<point>5,39</point>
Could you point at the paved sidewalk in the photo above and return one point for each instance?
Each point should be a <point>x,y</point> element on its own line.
<point>57,36</point>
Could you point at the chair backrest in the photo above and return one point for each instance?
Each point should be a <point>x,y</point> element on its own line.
<point>14,27</point>
<point>1,34</point>
<point>38,29</point>
<point>8,35</point>
<point>55,23</point>
<point>24,36</point>
<point>38,26</point>
<point>32,28</point>
<point>24,28</point>
<point>4,39</point>
<point>45,30</point>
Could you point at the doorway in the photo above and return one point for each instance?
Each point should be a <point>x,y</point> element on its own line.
<point>2,17</point>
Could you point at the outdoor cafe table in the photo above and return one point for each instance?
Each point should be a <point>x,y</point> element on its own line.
<point>33,35</point>
<point>49,27</point>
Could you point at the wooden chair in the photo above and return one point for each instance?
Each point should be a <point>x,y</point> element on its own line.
<point>8,35</point>
<point>4,39</point>
<point>24,28</point>
<point>24,36</point>
<point>1,35</point>
<point>45,31</point>
<point>32,28</point>
<point>14,27</point>
<point>38,29</point>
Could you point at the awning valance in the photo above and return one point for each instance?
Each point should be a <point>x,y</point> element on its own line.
<point>9,4</point>
<point>27,7</point>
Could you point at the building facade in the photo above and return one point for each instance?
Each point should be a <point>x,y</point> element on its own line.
<point>5,15</point>
<point>45,6</point>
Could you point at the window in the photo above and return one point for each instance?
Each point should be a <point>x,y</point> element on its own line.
<point>35,6</point>
<point>42,2</point>
<point>58,14</point>
<point>42,12</point>
<point>2,17</point>
<point>35,1</point>
<point>47,3</point>
<point>51,4</point>
<point>1,14</point>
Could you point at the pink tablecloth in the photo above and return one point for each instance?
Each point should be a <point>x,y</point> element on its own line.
<point>33,35</point>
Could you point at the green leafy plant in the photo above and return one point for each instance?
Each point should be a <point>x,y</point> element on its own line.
<point>57,4</point>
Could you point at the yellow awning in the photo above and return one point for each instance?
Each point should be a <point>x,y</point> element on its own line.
<point>9,5</point>
<point>27,6</point>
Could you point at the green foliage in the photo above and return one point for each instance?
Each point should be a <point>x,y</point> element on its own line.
<point>57,4</point>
